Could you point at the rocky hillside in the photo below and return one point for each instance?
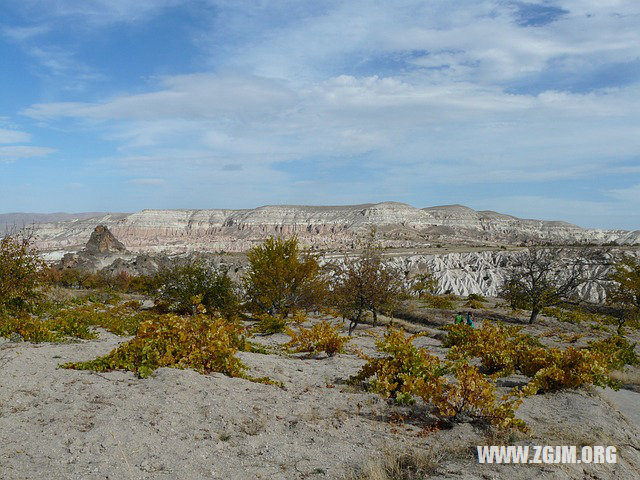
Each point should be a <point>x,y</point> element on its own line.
<point>326,228</point>
<point>12,221</point>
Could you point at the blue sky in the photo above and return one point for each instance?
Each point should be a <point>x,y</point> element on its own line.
<point>527,108</point>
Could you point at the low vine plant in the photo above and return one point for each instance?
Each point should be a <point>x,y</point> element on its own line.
<point>505,350</point>
<point>270,324</point>
<point>457,390</point>
<point>203,343</point>
<point>321,337</point>
<point>61,322</point>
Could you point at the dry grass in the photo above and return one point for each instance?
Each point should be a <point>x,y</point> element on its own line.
<point>392,464</point>
<point>628,377</point>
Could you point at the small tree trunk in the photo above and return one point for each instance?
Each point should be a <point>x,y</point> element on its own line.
<point>352,325</point>
<point>534,315</point>
<point>375,318</point>
<point>620,329</point>
<point>354,322</point>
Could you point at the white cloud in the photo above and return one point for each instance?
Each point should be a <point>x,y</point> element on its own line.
<point>476,41</point>
<point>22,34</point>
<point>13,136</point>
<point>191,97</point>
<point>406,94</point>
<point>630,194</point>
<point>11,153</point>
<point>93,11</point>
<point>148,181</point>
<point>411,128</point>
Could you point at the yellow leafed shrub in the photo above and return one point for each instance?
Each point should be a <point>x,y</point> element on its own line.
<point>618,351</point>
<point>203,343</point>
<point>504,350</point>
<point>270,324</point>
<point>403,362</point>
<point>407,371</point>
<point>499,347</point>
<point>321,337</point>
<point>555,369</point>
<point>473,395</point>
<point>28,327</point>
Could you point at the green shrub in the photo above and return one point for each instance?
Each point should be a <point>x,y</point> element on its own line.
<point>75,321</point>
<point>618,351</point>
<point>28,327</point>
<point>179,284</point>
<point>21,274</point>
<point>476,297</point>
<point>438,301</point>
<point>474,304</point>
<point>282,279</point>
<point>270,324</point>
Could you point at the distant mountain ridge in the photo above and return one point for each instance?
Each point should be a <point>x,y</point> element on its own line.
<point>324,227</point>
<point>18,220</point>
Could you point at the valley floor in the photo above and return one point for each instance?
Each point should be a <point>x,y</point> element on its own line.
<point>178,424</point>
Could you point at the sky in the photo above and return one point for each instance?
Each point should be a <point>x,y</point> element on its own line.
<point>526,108</point>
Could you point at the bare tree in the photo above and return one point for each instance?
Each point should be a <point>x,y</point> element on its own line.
<point>424,282</point>
<point>623,293</point>
<point>546,276</point>
<point>364,284</point>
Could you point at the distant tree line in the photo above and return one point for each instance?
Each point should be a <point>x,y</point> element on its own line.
<point>282,278</point>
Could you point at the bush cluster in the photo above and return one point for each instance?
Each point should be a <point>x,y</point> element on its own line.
<point>20,274</point>
<point>499,347</point>
<point>282,279</point>
<point>321,337</point>
<point>618,351</point>
<point>270,324</point>
<point>180,284</point>
<point>119,282</point>
<point>442,302</point>
<point>80,321</point>
<point>577,316</point>
<point>406,371</point>
<point>203,343</point>
<point>504,350</point>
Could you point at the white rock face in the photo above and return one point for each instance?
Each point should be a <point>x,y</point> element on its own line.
<point>484,272</point>
<point>326,228</point>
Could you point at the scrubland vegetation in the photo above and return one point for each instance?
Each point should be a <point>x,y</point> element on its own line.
<point>201,319</point>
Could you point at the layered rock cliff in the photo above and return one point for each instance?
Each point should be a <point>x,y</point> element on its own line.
<point>460,273</point>
<point>326,228</point>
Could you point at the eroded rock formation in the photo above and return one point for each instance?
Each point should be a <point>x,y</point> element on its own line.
<point>325,228</point>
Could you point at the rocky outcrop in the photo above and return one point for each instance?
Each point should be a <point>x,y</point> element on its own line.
<point>101,250</point>
<point>102,241</point>
<point>324,228</point>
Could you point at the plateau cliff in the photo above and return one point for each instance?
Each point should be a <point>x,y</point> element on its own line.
<point>321,227</point>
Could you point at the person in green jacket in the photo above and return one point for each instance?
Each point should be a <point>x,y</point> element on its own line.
<point>459,318</point>
<point>470,319</point>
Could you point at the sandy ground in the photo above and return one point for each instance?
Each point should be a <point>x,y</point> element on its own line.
<point>65,424</point>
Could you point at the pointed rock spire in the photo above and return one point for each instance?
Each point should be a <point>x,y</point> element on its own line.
<point>103,241</point>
